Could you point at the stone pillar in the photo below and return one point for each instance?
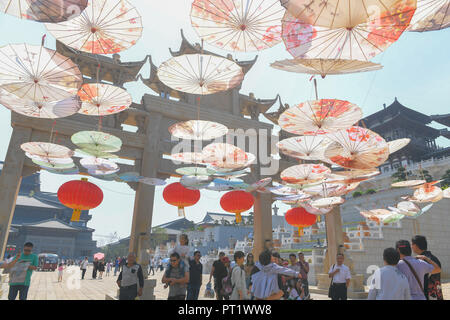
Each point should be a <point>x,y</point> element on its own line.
<point>145,194</point>
<point>262,223</point>
<point>10,181</point>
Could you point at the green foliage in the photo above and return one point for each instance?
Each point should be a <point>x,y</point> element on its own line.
<point>116,250</point>
<point>446,179</point>
<point>370,191</point>
<point>427,176</point>
<point>357,194</point>
<point>400,175</point>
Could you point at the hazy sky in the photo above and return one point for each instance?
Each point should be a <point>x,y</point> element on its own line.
<point>416,71</point>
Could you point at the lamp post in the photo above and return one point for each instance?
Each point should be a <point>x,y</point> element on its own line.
<point>275,210</point>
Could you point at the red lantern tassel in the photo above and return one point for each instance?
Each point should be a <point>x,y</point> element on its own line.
<point>238,217</point>
<point>300,231</point>
<point>181,212</point>
<point>76,214</point>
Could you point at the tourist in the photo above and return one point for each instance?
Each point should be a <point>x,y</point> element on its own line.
<point>264,284</point>
<point>432,282</point>
<point>22,284</point>
<point>240,291</point>
<point>101,268</point>
<point>388,283</point>
<point>282,280</point>
<point>195,277</point>
<point>129,278</point>
<point>176,278</point>
<point>10,262</point>
<point>83,266</point>
<point>304,270</point>
<point>160,264</point>
<point>108,268</point>
<point>95,268</point>
<point>293,289</point>
<point>60,272</point>
<point>415,269</point>
<point>249,264</point>
<point>218,271</point>
<point>116,266</point>
<point>227,287</point>
<point>123,261</point>
<point>151,265</point>
<point>340,279</point>
<point>183,250</point>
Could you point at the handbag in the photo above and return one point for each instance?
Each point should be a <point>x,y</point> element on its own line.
<point>331,285</point>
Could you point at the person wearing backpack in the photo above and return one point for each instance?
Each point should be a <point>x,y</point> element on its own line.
<point>415,269</point>
<point>238,278</point>
<point>176,278</point>
<point>227,287</point>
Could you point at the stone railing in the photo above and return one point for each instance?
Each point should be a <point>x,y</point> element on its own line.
<point>430,163</point>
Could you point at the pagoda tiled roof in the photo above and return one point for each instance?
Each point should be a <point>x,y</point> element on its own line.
<point>247,101</point>
<point>443,119</point>
<point>52,224</point>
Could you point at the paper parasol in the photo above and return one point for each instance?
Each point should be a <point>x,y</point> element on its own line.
<point>259,185</point>
<point>377,215</point>
<point>408,208</point>
<point>49,164</point>
<point>430,15</point>
<point>325,67</point>
<point>40,109</point>
<point>351,176</point>
<point>195,182</point>
<point>47,150</point>
<point>304,147</point>
<point>195,171</point>
<point>293,198</point>
<point>327,202</point>
<point>44,10</point>
<point>200,74</point>
<point>408,183</point>
<point>99,166</point>
<point>331,189</point>
<point>314,210</point>
<point>130,177</point>
<point>188,157</point>
<point>428,194</point>
<point>236,25</point>
<point>446,193</point>
<point>398,144</point>
<point>360,39</point>
<point>100,99</point>
<point>357,148</point>
<point>37,73</point>
<point>68,171</point>
<point>104,27</point>
<point>224,155</point>
<point>319,117</point>
<point>96,141</point>
<point>304,173</point>
<point>198,130</point>
<point>51,160</point>
<point>97,153</point>
<point>152,181</point>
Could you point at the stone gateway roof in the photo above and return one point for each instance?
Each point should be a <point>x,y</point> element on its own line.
<point>51,224</point>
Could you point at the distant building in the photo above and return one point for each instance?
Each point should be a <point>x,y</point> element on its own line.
<point>40,218</point>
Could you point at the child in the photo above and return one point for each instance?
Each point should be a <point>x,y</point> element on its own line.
<point>183,250</point>
<point>60,272</point>
<point>294,288</point>
<point>108,268</point>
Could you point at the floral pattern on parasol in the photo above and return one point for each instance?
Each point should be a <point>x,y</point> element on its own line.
<point>195,171</point>
<point>428,193</point>
<point>47,150</point>
<point>52,164</point>
<point>103,99</point>
<point>351,176</point>
<point>408,208</point>
<point>200,74</point>
<point>398,144</point>
<point>314,210</point>
<point>431,15</point>
<point>42,108</point>
<point>357,148</point>
<point>260,185</point>
<point>325,67</point>
<point>195,182</point>
<point>37,73</point>
<point>408,183</point>
<point>327,202</point>
<point>304,147</point>
<point>198,130</point>
<point>104,27</point>
<point>304,173</point>
<point>188,157</point>
<point>51,160</point>
<point>44,10</point>
<point>99,166</point>
<point>319,117</point>
<point>355,40</point>
<point>96,153</point>
<point>96,141</point>
<point>224,155</point>
<point>331,189</point>
<point>377,215</point>
<point>235,25</point>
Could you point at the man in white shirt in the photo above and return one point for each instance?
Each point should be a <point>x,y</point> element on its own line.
<point>340,275</point>
<point>83,267</point>
<point>389,283</point>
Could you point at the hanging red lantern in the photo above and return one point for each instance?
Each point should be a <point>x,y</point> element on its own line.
<point>80,195</point>
<point>300,218</point>
<point>237,202</point>
<point>177,195</point>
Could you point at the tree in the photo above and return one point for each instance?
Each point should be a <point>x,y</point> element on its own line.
<point>400,175</point>
<point>446,179</point>
<point>426,175</point>
<point>357,194</point>
<point>158,236</point>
